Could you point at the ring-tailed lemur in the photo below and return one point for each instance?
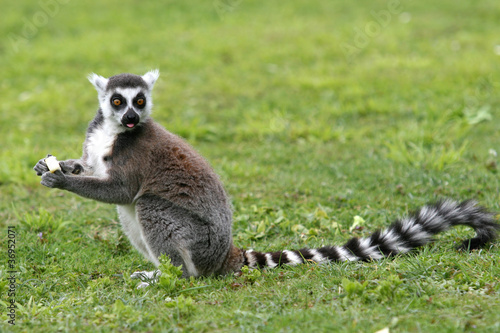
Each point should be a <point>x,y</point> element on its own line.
<point>171,202</point>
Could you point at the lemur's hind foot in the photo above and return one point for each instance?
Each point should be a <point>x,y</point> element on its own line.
<point>147,278</point>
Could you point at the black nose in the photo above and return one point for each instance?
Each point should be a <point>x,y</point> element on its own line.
<point>130,118</point>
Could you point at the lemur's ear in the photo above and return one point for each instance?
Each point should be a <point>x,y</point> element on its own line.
<point>151,77</point>
<point>99,82</point>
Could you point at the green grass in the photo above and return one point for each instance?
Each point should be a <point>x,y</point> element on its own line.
<point>304,138</point>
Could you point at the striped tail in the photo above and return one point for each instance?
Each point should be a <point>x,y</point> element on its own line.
<point>400,237</point>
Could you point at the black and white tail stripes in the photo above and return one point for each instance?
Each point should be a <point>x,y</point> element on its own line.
<point>400,237</point>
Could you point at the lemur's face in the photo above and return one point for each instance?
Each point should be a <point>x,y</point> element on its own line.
<point>127,105</point>
<point>125,99</point>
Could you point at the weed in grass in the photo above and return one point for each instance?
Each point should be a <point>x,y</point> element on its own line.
<point>432,144</point>
<point>250,276</point>
<point>353,288</point>
<point>183,305</point>
<point>41,221</point>
<point>170,278</point>
<point>418,155</point>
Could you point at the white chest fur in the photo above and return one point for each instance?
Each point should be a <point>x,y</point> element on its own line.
<point>99,145</point>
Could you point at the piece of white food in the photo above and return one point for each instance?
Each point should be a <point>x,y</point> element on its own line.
<point>52,164</point>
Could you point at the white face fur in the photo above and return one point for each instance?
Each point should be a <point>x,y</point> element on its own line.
<point>124,108</point>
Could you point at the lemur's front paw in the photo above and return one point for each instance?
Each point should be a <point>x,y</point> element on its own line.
<point>41,167</point>
<point>54,180</point>
<point>71,166</point>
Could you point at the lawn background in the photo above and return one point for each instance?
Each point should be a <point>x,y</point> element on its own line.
<point>312,113</point>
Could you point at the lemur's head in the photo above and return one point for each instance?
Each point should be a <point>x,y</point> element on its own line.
<point>125,99</point>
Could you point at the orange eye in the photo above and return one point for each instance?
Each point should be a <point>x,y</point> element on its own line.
<point>140,101</point>
<point>117,101</point>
